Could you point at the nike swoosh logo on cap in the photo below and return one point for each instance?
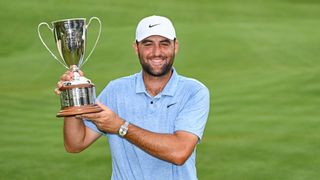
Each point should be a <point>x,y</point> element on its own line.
<point>153,25</point>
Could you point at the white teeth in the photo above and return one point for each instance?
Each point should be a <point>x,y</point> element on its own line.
<point>157,61</point>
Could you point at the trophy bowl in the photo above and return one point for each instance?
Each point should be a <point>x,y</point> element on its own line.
<point>78,95</point>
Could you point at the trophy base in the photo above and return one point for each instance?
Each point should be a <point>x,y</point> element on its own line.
<point>77,110</point>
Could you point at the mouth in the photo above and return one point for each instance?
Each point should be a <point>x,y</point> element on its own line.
<point>157,62</point>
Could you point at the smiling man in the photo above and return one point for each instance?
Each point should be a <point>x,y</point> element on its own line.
<point>154,119</point>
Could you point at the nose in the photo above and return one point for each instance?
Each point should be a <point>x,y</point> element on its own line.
<point>156,50</point>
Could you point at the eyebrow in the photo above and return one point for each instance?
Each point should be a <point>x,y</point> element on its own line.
<point>166,40</point>
<point>149,41</point>
<point>146,41</point>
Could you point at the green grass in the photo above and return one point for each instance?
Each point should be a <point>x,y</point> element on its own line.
<point>259,59</point>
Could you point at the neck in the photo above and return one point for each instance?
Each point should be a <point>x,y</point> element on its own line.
<point>154,85</point>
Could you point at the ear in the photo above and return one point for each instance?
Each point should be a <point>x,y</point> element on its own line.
<point>135,47</point>
<point>176,46</point>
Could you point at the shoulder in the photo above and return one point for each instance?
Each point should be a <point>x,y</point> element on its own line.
<point>191,85</point>
<point>191,82</point>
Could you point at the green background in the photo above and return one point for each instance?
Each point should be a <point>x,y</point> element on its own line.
<point>260,60</point>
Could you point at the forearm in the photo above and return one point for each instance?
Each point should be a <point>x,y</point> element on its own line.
<point>74,133</point>
<point>169,147</point>
<point>175,148</point>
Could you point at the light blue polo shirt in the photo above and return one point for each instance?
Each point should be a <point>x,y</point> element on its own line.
<point>182,105</point>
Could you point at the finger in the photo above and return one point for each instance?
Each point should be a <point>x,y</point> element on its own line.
<point>102,106</point>
<point>78,116</point>
<point>66,77</point>
<point>70,75</point>
<point>59,84</point>
<point>80,72</point>
<point>91,116</point>
<point>56,91</point>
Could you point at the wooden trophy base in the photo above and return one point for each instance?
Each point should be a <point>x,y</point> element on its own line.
<point>77,110</point>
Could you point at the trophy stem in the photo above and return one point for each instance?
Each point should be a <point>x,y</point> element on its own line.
<point>75,70</point>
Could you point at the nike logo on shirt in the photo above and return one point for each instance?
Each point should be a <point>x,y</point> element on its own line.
<point>171,104</point>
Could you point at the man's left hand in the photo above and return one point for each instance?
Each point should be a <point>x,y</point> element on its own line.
<point>106,120</point>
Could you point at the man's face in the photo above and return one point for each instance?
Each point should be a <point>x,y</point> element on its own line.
<point>156,54</point>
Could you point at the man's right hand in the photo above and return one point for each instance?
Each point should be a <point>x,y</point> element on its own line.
<point>77,136</point>
<point>67,76</point>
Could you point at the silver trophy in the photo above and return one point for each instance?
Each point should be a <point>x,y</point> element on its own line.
<point>78,95</point>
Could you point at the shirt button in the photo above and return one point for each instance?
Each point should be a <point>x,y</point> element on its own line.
<point>151,102</point>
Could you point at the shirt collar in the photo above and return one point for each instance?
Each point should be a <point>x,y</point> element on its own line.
<point>140,88</point>
<point>168,90</point>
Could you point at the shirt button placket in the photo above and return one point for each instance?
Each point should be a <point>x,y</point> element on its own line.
<point>152,105</point>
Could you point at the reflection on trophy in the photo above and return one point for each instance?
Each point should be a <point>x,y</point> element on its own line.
<point>78,95</point>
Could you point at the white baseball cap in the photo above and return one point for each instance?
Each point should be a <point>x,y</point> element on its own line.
<point>155,25</point>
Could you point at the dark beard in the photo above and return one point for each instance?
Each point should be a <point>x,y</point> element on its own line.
<point>164,70</point>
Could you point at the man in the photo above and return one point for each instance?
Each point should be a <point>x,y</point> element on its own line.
<point>153,119</point>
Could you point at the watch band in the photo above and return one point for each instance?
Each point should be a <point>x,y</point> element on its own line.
<point>123,129</point>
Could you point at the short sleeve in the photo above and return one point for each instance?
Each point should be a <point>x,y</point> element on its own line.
<point>92,126</point>
<point>193,116</point>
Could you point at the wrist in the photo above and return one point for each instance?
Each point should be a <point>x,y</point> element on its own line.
<point>123,130</point>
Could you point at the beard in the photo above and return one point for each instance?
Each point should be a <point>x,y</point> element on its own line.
<point>166,67</point>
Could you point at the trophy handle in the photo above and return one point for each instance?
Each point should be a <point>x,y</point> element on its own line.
<point>94,46</point>
<point>45,45</point>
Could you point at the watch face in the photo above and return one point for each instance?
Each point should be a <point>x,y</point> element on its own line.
<point>123,129</point>
<point>121,132</point>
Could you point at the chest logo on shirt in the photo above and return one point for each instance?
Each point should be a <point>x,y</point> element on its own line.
<point>171,105</point>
